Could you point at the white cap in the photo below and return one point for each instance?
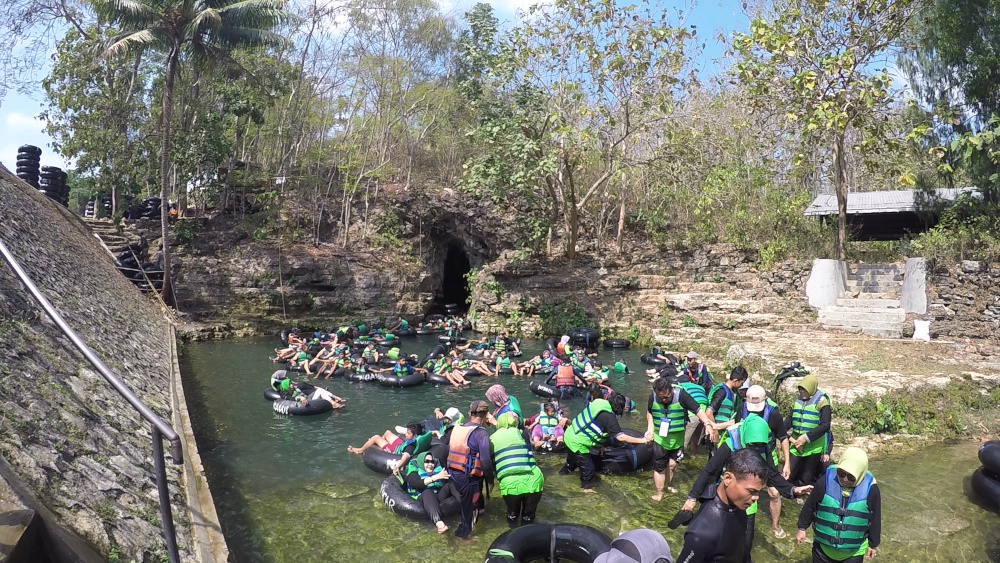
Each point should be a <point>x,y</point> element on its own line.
<point>692,355</point>
<point>746,384</point>
<point>453,413</point>
<point>756,398</point>
<point>401,430</point>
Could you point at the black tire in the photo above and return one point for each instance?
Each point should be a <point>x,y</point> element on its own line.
<point>542,389</point>
<point>379,460</point>
<point>651,360</point>
<point>364,377</point>
<point>395,497</point>
<point>540,542</point>
<point>412,380</point>
<point>28,163</point>
<point>986,485</point>
<point>437,379</point>
<point>626,458</point>
<point>54,169</point>
<point>989,456</point>
<point>294,408</point>
<point>617,343</point>
<point>405,332</point>
<point>29,149</point>
<point>271,394</point>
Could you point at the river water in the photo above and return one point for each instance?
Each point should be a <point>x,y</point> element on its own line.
<point>287,490</point>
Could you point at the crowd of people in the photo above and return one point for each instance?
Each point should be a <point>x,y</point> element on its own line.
<point>754,450</point>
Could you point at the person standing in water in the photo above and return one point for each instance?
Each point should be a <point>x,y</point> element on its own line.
<point>809,424</point>
<point>845,510</point>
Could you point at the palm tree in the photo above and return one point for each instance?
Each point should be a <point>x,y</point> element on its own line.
<point>199,31</point>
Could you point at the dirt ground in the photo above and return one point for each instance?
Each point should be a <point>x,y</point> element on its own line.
<point>847,365</point>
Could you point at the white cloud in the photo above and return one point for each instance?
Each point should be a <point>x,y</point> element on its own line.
<point>19,121</point>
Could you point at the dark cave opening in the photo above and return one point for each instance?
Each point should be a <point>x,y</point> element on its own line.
<point>454,295</point>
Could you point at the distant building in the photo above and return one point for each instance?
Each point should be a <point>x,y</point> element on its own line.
<point>888,215</point>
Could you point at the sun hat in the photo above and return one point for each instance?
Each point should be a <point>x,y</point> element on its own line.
<point>756,398</point>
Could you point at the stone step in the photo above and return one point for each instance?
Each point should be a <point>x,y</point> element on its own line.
<point>859,314</point>
<point>881,278</point>
<point>869,303</point>
<point>873,288</point>
<point>865,296</point>
<point>879,268</point>
<point>892,332</point>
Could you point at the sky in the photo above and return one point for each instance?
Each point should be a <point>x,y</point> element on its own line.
<point>19,122</point>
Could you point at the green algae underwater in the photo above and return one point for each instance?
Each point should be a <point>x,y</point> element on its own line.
<point>287,490</point>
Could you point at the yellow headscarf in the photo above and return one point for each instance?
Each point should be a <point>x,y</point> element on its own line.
<point>855,462</point>
<point>507,420</point>
<point>810,384</point>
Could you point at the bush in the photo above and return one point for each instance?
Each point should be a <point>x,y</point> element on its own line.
<point>559,319</point>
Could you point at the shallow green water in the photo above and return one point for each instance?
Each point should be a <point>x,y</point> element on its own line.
<point>287,490</point>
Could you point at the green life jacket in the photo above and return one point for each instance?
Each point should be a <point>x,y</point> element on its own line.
<point>404,324</point>
<point>368,353</point>
<point>676,416</point>
<point>280,384</point>
<point>728,403</point>
<point>499,344</point>
<point>547,423</point>
<point>585,433</point>
<point>402,371</point>
<point>511,456</point>
<point>392,354</point>
<point>423,443</point>
<point>842,522</point>
<point>362,328</point>
<point>412,467</point>
<point>697,392</point>
<point>805,417</point>
<point>504,363</point>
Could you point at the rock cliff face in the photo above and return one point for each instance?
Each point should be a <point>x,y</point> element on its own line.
<point>964,301</point>
<point>68,435</point>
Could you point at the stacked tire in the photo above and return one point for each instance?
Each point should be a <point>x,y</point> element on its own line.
<point>150,208</point>
<point>52,184</point>
<point>29,158</point>
<point>584,337</point>
<point>986,479</point>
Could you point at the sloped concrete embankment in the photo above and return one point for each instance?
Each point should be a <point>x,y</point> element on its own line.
<point>66,433</point>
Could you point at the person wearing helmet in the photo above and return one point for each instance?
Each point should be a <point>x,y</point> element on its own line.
<point>750,434</point>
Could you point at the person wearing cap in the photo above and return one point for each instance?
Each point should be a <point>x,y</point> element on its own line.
<point>591,430</point>
<point>470,464</point>
<point>521,481</point>
<point>428,483</point>
<point>757,403</point>
<point>414,441</point>
<point>666,419</point>
<point>695,372</point>
<point>724,400</point>
<point>752,434</point>
<point>809,423</point>
<point>845,510</point>
<point>637,546</point>
<point>718,531</point>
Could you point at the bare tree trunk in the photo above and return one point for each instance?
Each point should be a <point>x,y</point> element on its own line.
<point>621,218</point>
<point>168,106</point>
<point>840,185</point>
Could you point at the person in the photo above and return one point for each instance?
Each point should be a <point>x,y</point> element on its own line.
<point>563,345</point>
<point>548,428</point>
<point>717,532</point>
<point>413,442</point>
<point>503,362</point>
<point>280,381</point>
<point>756,402</point>
<point>401,369</point>
<point>403,324</point>
<point>318,394</point>
<point>724,400</point>
<point>566,378</point>
<point>542,362</point>
<point>497,395</point>
<point>428,483</point>
<point>449,419</point>
<point>696,372</point>
<point>470,464</point>
<point>809,422</point>
<point>521,481</point>
<point>753,434</point>
<point>454,372</point>
<point>666,418</point>
<point>596,424</point>
<point>845,510</point>
<point>641,545</point>
<point>371,354</point>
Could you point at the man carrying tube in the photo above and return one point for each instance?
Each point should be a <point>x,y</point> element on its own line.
<point>590,431</point>
<point>469,463</point>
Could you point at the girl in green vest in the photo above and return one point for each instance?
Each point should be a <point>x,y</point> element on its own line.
<point>521,480</point>
<point>845,510</point>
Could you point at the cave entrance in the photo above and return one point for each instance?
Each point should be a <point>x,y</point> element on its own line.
<point>454,287</point>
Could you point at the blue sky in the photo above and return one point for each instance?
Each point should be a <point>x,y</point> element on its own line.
<point>20,125</point>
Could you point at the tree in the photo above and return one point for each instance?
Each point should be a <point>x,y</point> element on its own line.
<point>566,95</point>
<point>815,62</point>
<point>196,31</point>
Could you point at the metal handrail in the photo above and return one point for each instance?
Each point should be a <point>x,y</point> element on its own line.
<point>160,429</point>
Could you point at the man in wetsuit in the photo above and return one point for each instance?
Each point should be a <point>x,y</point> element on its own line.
<point>718,530</point>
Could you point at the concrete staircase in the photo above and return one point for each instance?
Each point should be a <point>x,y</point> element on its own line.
<point>106,230</point>
<point>871,304</point>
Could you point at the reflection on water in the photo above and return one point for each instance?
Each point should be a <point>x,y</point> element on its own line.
<point>287,490</point>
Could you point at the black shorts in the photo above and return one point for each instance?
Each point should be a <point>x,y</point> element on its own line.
<point>662,457</point>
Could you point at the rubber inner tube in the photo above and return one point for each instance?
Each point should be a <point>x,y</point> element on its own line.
<point>405,332</point>
<point>379,460</point>
<point>394,496</point>
<point>437,379</point>
<point>651,360</point>
<point>989,456</point>
<point>626,458</point>
<point>363,377</point>
<point>986,485</point>
<point>424,332</point>
<point>391,380</point>
<point>544,542</point>
<point>616,343</point>
<point>294,408</point>
<point>539,388</point>
<point>506,371</point>
<point>271,394</point>
<point>551,345</point>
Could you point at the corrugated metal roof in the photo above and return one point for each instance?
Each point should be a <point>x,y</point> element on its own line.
<point>899,201</point>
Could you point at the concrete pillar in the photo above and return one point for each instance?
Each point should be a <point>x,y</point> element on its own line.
<point>914,295</point>
<point>827,282</point>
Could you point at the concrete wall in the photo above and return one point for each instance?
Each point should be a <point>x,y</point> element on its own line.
<point>70,438</point>
<point>827,282</point>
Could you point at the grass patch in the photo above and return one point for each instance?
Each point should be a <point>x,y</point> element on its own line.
<point>875,361</point>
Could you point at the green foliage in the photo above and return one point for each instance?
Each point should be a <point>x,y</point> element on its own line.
<point>388,233</point>
<point>689,321</point>
<point>730,324</point>
<point>663,319</point>
<point>929,409</point>
<point>185,231</point>
<point>470,282</point>
<point>496,288</point>
<point>626,282</point>
<point>560,318</point>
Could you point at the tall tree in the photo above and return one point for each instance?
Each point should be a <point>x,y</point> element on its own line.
<point>815,62</point>
<point>197,31</point>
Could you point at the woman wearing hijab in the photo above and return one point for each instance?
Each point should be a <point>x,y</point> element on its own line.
<point>497,395</point>
<point>845,510</point>
<point>521,480</point>
<point>809,424</point>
